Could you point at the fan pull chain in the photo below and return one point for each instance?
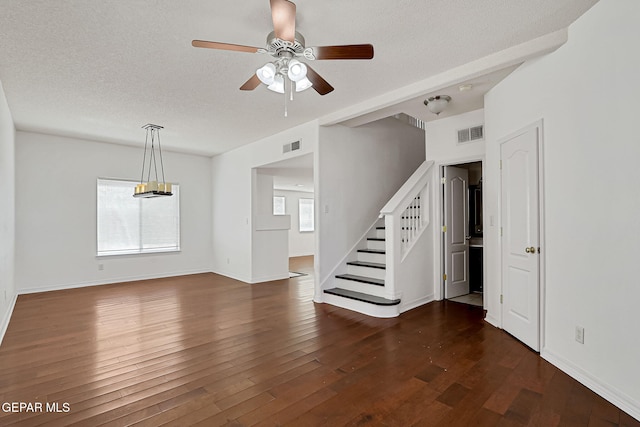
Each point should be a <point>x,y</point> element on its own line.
<point>285,97</point>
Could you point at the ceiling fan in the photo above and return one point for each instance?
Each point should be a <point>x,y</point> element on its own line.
<point>286,45</point>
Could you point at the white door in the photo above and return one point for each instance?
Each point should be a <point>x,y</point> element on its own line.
<point>456,222</point>
<point>521,237</point>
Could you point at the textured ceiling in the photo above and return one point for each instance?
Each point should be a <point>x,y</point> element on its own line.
<point>102,69</point>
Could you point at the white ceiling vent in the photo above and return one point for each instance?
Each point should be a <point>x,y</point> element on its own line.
<point>470,134</point>
<point>292,146</point>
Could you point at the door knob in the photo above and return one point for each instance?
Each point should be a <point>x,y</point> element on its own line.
<point>530,250</point>
<point>527,250</point>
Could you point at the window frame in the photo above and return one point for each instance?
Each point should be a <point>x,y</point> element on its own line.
<point>284,205</point>
<point>313,215</point>
<point>141,250</point>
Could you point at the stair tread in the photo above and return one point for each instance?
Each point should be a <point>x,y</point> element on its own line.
<point>373,251</point>
<point>368,264</point>
<point>362,279</point>
<point>359,296</point>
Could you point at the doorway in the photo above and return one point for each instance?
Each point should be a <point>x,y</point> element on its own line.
<point>286,195</point>
<point>462,240</point>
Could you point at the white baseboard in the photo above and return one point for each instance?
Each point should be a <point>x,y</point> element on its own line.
<point>606,391</point>
<point>109,281</point>
<point>231,276</point>
<point>270,278</point>
<point>416,303</point>
<point>7,317</point>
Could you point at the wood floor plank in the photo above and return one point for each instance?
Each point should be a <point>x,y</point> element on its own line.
<point>208,350</point>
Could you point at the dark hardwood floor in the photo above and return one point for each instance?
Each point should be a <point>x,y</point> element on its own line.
<point>208,350</point>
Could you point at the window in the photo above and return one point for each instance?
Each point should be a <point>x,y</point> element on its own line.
<point>129,225</point>
<point>305,214</point>
<point>278,205</point>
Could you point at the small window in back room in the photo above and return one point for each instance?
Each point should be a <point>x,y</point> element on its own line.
<point>278,205</point>
<point>129,225</point>
<point>305,214</point>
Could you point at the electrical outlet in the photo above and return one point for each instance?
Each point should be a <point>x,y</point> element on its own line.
<point>580,334</point>
<point>100,267</point>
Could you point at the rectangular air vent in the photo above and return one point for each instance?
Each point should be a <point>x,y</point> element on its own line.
<point>470,134</point>
<point>292,146</point>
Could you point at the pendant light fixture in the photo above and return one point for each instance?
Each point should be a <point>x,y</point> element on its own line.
<point>155,187</point>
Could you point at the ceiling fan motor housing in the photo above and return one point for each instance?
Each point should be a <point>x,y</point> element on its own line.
<point>277,47</point>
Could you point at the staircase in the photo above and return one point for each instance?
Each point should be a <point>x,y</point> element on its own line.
<point>365,277</point>
<point>373,277</point>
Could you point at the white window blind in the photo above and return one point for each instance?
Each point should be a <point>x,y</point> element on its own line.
<point>305,214</point>
<point>129,225</point>
<point>278,205</point>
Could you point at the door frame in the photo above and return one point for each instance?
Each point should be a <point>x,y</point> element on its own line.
<point>439,222</point>
<point>538,126</point>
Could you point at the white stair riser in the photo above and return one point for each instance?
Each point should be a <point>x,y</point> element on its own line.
<point>380,234</point>
<point>365,288</point>
<point>368,257</point>
<point>376,244</point>
<point>357,270</point>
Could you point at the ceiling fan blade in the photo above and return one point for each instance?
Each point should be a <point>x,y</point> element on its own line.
<point>251,84</point>
<point>224,46</point>
<point>350,51</point>
<point>320,85</point>
<point>283,14</point>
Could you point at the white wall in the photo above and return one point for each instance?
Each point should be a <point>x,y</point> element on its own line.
<point>7,213</point>
<point>442,138</point>
<point>269,232</point>
<point>56,213</point>
<point>587,94</point>
<point>359,169</point>
<point>231,188</point>
<point>300,243</point>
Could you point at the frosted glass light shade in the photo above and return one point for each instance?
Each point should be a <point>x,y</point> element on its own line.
<point>303,84</point>
<point>278,84</point>
<point>297,70</point>
<point>267,73</point>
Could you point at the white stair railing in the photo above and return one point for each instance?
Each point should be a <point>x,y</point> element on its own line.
<point>406,217</point>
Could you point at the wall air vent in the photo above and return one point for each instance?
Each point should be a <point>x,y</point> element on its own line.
<point>470,134</point>
<point>292,146</point>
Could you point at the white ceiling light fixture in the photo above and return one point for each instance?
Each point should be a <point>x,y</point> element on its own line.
<point>437,104</point>
<point>278,84</point>
<point>297,70</point>
<point>152,187</point>
<point>283,75</point>
<point>267,73</point>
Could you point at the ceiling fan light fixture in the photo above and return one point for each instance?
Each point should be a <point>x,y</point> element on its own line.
<point>267,73</point>
<point>278,84</point>
<point>297,70</point>
<point>437,104</point>
<point>303,84</point>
